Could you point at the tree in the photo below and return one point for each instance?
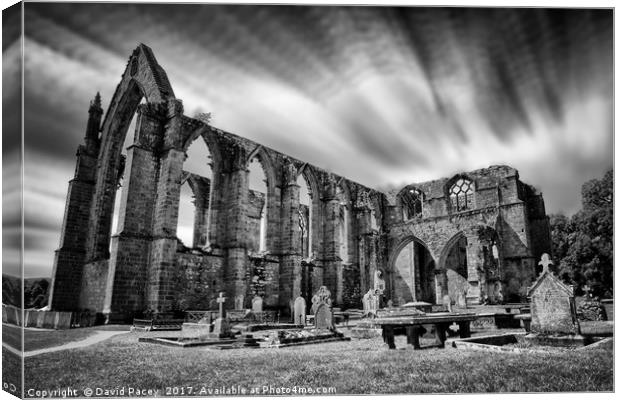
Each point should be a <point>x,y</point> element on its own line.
<point>36,295</point>
<point>585,246</point>
<point>561,229</point>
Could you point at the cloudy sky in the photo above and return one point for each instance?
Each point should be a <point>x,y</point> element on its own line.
<point>385,96</point>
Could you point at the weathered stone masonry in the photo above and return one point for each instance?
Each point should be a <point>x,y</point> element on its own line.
<point>354,230</point>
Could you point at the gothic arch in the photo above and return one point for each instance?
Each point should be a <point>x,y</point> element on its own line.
<point>401,245</point>
<point>265,161</point>
<point>270,207</point>
<point>207,135</point>
<point>143,78</point>
<point>412,276</point>
<point>311,180</point>
<point>447,247</point>
<point>411,202</point>
<point>310,177</point>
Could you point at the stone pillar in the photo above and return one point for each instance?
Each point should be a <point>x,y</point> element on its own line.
<point>290,260</point>
<point>71,254</point>
<point>129,256</point>
<point>332,263</point>
<point>237,241</point>
<point>364,237</point>
<point>160,291</point>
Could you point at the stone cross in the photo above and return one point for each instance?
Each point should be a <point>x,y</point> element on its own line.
<point>221,301</point>
<point>545,261</point>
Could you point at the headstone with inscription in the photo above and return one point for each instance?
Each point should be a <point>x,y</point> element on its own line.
<point>322,306</point>
<point>323,318</point>
<point>552,304</point>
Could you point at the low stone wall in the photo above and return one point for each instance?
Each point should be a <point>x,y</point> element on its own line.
<point>46,319</point>
<point>11,315</point>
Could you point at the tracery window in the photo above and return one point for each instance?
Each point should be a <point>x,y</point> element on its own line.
<point>462,195</point>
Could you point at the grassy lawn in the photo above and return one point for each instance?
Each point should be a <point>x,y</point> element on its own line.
<point>359,366</point>
<point>11,373</point>
<point>39,339</point>
<point>12,335</point>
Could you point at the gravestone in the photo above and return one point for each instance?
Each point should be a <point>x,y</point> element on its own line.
<point>239,302</point>
<point>323,317</point>
<point>552,304</point>
<point>447,303</point>
<point>221,328</point>
<point>299,314</point>
<point>257,304</point>
<point>370,302</point>
<point>204,328</point>
<point>461,299</point>
<point>322,306</point>
<point>322,296</point>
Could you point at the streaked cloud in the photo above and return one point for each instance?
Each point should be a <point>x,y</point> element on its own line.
<point>385,96</point>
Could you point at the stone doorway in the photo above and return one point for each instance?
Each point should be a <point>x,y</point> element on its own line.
<point>413,274</point>
<point>456,269</point>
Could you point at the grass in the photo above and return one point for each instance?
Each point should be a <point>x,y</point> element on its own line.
<point>12,335</point>
<point>40,339</point>
<point>359,366</point>
<point>11,373</point>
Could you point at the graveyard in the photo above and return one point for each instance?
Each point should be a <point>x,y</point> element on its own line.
<point>356,366</point>
<point>414,349</point>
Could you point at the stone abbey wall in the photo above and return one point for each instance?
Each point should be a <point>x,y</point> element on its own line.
<point>354,230</point>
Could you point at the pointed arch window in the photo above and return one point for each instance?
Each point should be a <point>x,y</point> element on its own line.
<point>462,195</point>
<point>412,201</point>
<point>259,195</point>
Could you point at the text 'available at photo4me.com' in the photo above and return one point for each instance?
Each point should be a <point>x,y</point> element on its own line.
<point>178,391</point>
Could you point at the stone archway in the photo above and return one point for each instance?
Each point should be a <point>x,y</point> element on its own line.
<point>412,272</point>
<point>470,265</point>
<point>454,267</point>
<point>91,200</point>
<point>143,78</point>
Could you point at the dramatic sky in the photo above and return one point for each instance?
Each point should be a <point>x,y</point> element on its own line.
<point>384,96</point>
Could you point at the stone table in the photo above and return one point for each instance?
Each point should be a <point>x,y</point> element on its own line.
<point>413,327</point>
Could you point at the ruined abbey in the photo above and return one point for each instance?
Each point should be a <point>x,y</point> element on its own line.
<point>476,234</point>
